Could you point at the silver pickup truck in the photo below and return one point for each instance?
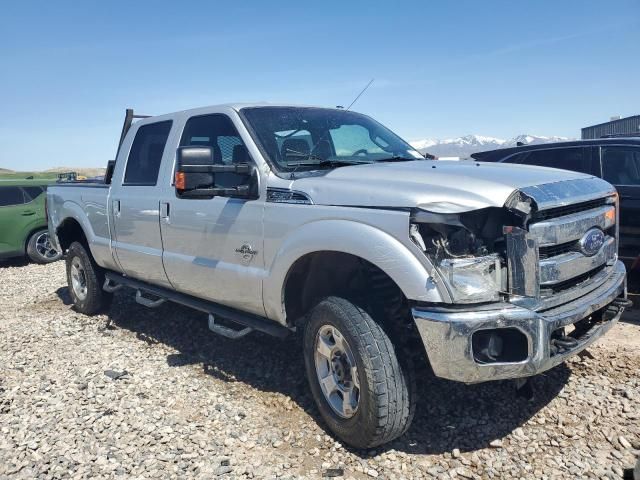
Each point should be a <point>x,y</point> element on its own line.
<point>323,222</point>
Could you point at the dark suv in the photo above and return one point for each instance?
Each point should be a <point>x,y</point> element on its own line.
<point>617,160</point>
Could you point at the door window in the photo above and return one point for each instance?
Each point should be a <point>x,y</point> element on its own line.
<point>11,196</point>
<point>621,165</point>
<point>146,153</point>
<point>218,132</point>
<point>565,158</point>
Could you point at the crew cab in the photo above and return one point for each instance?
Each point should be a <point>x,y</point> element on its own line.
<point>323,222</point>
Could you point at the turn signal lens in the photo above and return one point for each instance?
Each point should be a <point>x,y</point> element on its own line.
<point>181,181</point>
<point>611,215</point>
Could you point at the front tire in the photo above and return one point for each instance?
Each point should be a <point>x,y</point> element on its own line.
<point>39,248</point>
<point>85,279</point>
<point>359,386</point>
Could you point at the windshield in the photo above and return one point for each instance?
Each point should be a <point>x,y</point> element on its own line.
<point>306,138</point>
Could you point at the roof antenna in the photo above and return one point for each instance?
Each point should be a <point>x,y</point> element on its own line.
<point>360,94</point>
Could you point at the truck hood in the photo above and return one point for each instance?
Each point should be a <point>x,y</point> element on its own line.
<point>462,185</point>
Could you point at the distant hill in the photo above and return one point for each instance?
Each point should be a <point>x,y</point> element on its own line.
<point>5,170</point>
<point>463,147</point>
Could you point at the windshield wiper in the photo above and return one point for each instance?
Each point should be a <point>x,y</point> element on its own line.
<point>397,158</point>
<point>322,163</point>
<point>311,160</point>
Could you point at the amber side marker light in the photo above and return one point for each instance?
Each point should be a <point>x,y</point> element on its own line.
<point>610,215</point>
<point>181,181</point>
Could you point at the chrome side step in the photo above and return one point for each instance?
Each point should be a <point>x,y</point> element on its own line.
<point>250,321</point>
<point>147,302</point>
<point>109,286</point>
<point>226,331</point>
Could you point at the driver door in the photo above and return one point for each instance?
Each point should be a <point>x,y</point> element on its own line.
<point>213,246</point>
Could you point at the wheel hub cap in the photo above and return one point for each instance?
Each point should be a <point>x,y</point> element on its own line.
<point>44,247</point>
<point>337,371</point>
<point>78,279</point>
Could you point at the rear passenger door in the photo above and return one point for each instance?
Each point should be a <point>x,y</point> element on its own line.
<point>135,203</point>
<point>15,217</point>
<point>621,167</point>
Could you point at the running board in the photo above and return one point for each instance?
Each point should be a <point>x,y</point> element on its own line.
<point>254,322</point>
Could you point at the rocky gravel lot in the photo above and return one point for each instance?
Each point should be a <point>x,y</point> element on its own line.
<point>157,395</point>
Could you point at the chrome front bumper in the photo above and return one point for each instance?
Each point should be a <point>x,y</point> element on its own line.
<point>447,334</point>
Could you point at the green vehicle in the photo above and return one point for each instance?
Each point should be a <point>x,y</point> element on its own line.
<point>23,221</point>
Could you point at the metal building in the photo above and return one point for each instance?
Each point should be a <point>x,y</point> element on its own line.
<point>619,126</point>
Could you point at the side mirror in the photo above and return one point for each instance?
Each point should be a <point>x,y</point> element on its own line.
<point>196,173</point>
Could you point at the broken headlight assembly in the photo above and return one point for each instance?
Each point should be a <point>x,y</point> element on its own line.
<point>467,250</point>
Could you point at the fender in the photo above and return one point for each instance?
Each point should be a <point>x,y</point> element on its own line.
<point>355,238</point>
<point>99,245</point>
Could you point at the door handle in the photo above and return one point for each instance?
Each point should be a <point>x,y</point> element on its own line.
<point>116,207</point>
<point>164,211</point>
<point>28,213</point>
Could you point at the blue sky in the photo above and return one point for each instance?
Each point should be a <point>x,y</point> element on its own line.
<point>442,69</point>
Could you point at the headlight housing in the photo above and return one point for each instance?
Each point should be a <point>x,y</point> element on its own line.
<point>473,279</point>
<point>467,249</point>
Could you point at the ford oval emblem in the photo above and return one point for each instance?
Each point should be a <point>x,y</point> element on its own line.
<point>592,242</point>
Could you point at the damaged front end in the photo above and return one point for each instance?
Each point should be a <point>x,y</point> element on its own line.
<point>530,283</point>
<point>469,249</point>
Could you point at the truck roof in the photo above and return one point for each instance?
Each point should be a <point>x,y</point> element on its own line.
<point>237,106</point>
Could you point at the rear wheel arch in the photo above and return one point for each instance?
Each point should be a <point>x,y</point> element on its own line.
<point>70,231</point>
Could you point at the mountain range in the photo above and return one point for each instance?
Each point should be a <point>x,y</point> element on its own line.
<point>464,146</point>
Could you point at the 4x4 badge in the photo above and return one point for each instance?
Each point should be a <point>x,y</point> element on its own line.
<point>246,252</point>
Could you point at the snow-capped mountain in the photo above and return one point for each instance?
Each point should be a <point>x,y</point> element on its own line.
<point>464,146</point>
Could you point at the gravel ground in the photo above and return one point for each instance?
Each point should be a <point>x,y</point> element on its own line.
<point>158,396</point>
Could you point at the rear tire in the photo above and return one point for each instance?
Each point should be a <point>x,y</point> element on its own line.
<point>338,337</point>
<point>85,279</point>
<point>39,248</point>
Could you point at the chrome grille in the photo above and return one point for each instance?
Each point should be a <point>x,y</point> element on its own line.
<point>568,209</point>
<point>558,231</point>
<point>545,261</point>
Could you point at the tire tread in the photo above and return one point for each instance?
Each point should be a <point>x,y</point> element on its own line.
<point>390,383</point>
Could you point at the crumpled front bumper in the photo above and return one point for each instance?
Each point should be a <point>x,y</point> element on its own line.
<point>447,334</point>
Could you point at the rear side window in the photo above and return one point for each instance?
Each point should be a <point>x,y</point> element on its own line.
<point>33,192</point>
<point>146,152</point>
<point>621,165</point>
<point>11,196</point>
<point>565,158</point>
